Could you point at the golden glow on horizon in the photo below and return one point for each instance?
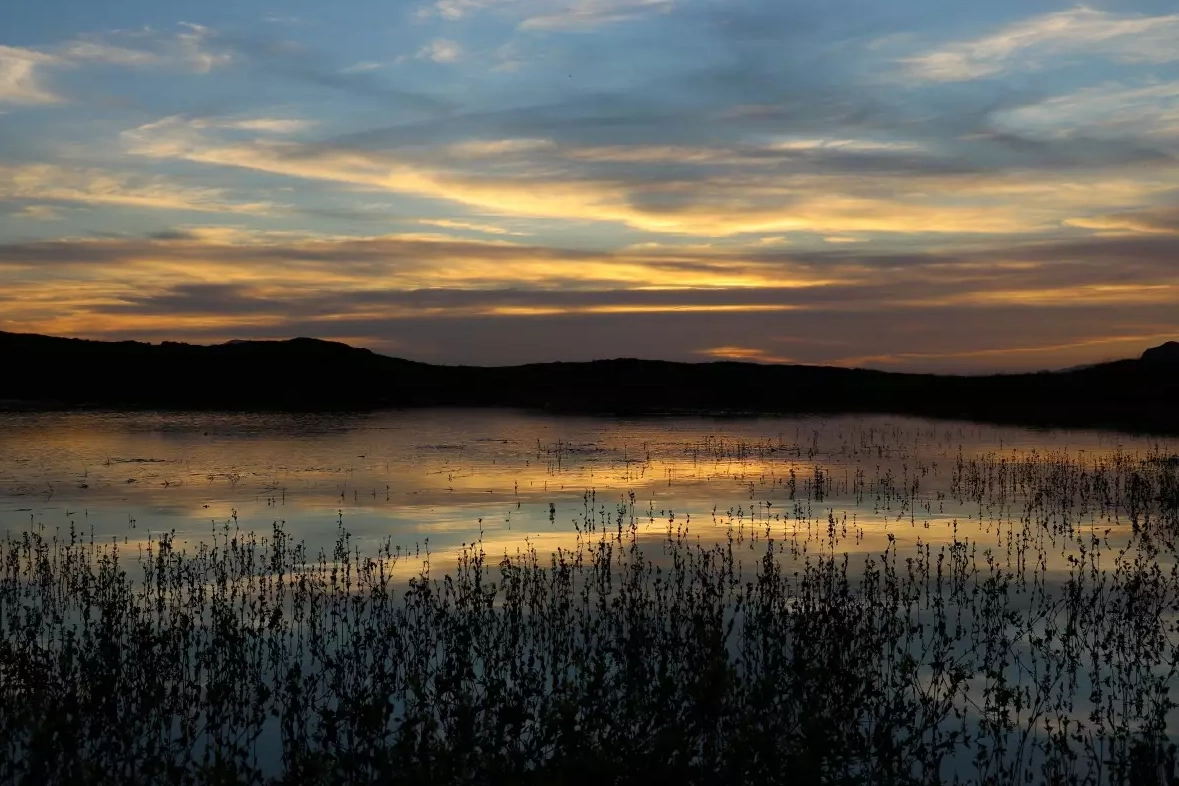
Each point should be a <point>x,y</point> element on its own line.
<point>750,354</point>
<point>216,282</point>
<point>453,194</point>
<point>640,309</point>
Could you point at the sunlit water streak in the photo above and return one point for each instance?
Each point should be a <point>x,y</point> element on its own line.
<point>447,476</point>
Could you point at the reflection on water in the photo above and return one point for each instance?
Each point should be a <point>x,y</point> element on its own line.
<point>1012,607</point>
<point>447,476</point>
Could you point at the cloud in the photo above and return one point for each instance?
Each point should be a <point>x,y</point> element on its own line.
<point>667,276</point>
<point>263,57</point>
<point>705,168</point>
<point>1111,110</point>
<point>507,58</point>
<point>498,148</point>
<point>20,82</point>
<point>266,125</point>
<point>454,9</point>
<point>441,50</point>
<point>95,52</point>
<point>512,302</point>
<point>195,50</point>
<point>1028,44</point>
<point>582,15</point>
<point>744,355</point>
<point>362,67</point>
<point>40,213</point>
<point>284,276</point>
<point>487,229</point>
<point>778,195</point>
<point>191,47</point>
<point>1126,343</point>
<point>91,186</point>
<point>1160,220</point>
<point>552,15</point>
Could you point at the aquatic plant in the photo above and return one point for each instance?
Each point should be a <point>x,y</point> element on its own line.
<point>1041,648</point>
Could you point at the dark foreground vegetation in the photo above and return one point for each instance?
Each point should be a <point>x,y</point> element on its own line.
<point>1041,647</point>
<point>306,374</point>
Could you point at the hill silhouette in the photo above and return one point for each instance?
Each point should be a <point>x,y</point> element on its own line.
<point>1164,353</point>
<point>308,374</point>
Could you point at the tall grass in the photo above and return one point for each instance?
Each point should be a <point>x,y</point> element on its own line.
<point>1041,648</point>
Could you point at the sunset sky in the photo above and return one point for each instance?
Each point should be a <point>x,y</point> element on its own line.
<point>912,185</point>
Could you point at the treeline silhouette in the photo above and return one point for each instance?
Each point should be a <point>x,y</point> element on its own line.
<point>309,374</point>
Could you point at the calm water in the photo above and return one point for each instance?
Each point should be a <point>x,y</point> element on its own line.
<point>443,477</point>
<point>1027,503</point>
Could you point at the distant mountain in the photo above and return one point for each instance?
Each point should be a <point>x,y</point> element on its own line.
<point>307,374</point>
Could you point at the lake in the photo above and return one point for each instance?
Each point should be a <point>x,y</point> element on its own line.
<point>447,476</point>
<point>842,596</point>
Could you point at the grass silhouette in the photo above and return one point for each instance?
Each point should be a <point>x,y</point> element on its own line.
<point>1042,649</point>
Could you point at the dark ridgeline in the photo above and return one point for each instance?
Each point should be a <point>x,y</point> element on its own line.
<point>309,374</point>
<point>1166,353</point>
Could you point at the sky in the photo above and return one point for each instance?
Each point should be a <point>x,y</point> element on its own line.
<point>909,185</point>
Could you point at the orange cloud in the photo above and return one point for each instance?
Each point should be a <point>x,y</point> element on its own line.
<point>99,187</point>
<point>708,205</point>
<point>744,354</point>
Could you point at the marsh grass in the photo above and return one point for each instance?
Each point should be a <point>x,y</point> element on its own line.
<point>1041,648</point>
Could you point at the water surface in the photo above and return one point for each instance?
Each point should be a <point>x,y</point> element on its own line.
<point>449,477</point>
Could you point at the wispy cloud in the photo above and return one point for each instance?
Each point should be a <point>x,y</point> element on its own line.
<point>395,264</point>
<point>692,199</point>
<point>229,281</point>
<point>454,9</point>
<point>362,67</point>
<point>590,14</point>
<point>1111,110</point>
<point>189,47</point>
<point>470,226</point>
<point>195,49</point>
<point>1150,221</point>
<point>1034,42</point>
<point>90,51</point>
<point>20,80</point>
<point>264,125</point>
<point>40,212</point>
<point>1128,345</point>
<point>88,186</point>
<point>555,15</point>
<point>494,148</point>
